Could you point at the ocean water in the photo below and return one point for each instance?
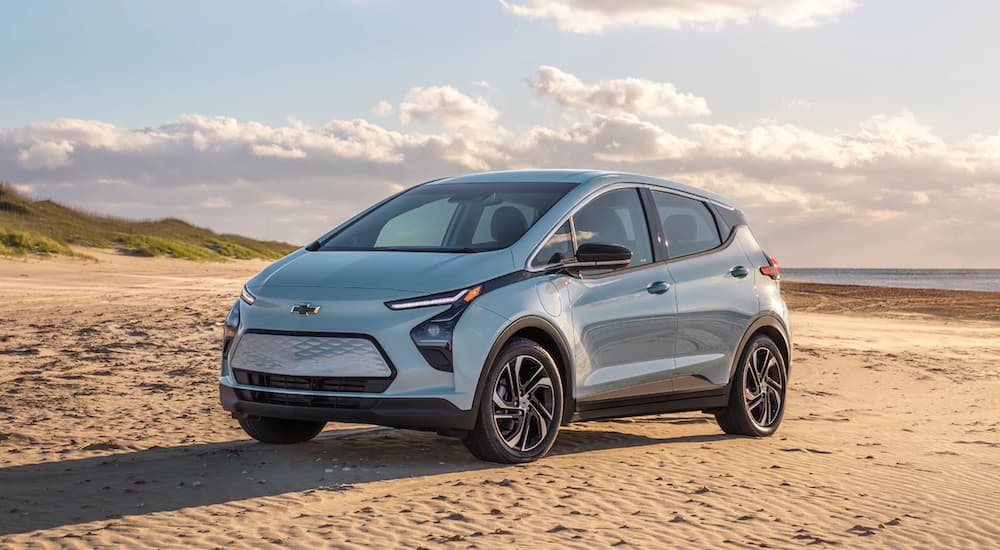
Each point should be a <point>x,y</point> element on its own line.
<point>949,279</point>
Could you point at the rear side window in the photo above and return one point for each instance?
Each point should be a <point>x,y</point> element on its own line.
<point>688,225</point>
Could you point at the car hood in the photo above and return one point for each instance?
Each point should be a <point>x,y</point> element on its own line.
<point>418,272</point>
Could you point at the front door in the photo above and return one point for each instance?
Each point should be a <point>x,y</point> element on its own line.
<point>625,319</point>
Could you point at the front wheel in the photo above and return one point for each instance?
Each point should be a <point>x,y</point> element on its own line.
<point>521,406</point>
<point>757,393</point>
<point>280,431</point>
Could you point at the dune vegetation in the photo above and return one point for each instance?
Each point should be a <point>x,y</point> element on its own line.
<point>45,227</point>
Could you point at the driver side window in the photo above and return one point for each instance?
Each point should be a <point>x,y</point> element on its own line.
<point>615,217</point>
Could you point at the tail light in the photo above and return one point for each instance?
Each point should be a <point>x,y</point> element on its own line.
<point>772,269</point>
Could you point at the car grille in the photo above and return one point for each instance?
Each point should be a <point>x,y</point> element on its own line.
<point>312,383</point>
<point>310,355</point>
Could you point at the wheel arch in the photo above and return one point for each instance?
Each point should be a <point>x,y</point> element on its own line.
<point>774,329</point>
<point>549,337</point>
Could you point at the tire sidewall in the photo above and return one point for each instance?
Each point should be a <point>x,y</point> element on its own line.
<point>739,397</point>
<point>510,351</point>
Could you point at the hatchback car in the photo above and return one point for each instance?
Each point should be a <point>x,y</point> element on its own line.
<point>499,306</point>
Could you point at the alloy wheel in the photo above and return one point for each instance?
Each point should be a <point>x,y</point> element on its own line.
<point>523,404</point>
<point>763,387</point>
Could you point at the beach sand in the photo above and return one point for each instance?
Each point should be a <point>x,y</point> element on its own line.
<point>111,434</point>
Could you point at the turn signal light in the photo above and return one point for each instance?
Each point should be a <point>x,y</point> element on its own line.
<point>472,293</point>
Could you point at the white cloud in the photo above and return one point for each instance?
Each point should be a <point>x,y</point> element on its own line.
<point>24,189</point>
<point>594,16</point>
<point>273,150</point>
<point>215,203</point>
<point>626,95</point>
<point>42,155</point>
<point>919,198</point>
<point>617,139</point>
<point>843,198</point>
<point>90,133</point>
<point>797,104</point>
<point>447,106</point>
<point>383,108</point>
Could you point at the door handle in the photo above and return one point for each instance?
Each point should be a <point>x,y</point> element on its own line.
<point>739,272</point>
<point>658,287</point>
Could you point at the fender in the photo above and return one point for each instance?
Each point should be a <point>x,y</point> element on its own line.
<point>564,358</point>
<point>784,344</point>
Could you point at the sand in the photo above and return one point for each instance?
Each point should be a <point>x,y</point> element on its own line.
<point>111,434</point>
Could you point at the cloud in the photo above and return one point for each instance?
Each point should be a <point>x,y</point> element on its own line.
<point>45,154</point>
<point>626,95</point>
<point>889,191</point>
<point>277,151</point>
<point>594,16</point>
<point>383,108</point>
<point>919,198</point>
<point>621,139</point>
<point>215,202</point>
<point>797,104</point>
<point>448,107</point>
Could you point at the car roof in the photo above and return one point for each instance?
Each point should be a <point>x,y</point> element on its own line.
<point>525,176</point>
<point>580,177</point>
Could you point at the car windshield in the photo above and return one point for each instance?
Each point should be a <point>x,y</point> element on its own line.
<point>451,217</point>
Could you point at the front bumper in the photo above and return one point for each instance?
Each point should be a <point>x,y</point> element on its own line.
<point>398,412</point>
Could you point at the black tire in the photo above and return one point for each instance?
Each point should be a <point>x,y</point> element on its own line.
<point>539,418</point>
<point>750,411</point>
<point>280,431</point>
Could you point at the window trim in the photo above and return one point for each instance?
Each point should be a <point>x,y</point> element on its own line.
<point>656,242</point>
<point>660,251</point>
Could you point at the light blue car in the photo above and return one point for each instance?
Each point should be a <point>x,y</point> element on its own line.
<point>499,306</point>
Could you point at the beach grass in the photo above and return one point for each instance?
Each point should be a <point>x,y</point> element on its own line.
<point>47,228</point>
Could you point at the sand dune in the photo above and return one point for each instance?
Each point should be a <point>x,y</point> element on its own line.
<point>110,434</point>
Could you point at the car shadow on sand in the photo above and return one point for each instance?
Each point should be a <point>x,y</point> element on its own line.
<point>53,494</point>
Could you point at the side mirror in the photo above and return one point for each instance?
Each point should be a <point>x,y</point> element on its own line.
<point>600,256</point>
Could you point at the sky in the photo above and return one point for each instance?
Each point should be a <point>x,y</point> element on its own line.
<point>854,133</point>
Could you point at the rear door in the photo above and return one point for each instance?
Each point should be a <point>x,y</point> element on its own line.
<point>624,319</point>
<point>713,288</point>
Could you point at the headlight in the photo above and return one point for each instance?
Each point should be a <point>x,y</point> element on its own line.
<point>247,296</point>
<point>433,337</point>
<point>230,327</point>
<point>465,295</point>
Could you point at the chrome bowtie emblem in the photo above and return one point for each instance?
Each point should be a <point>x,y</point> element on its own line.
<point>305,309</point>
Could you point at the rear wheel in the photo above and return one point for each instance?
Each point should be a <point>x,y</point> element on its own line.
<point>521,406</point>
<point>757,395</point>
<point>280,431</point>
